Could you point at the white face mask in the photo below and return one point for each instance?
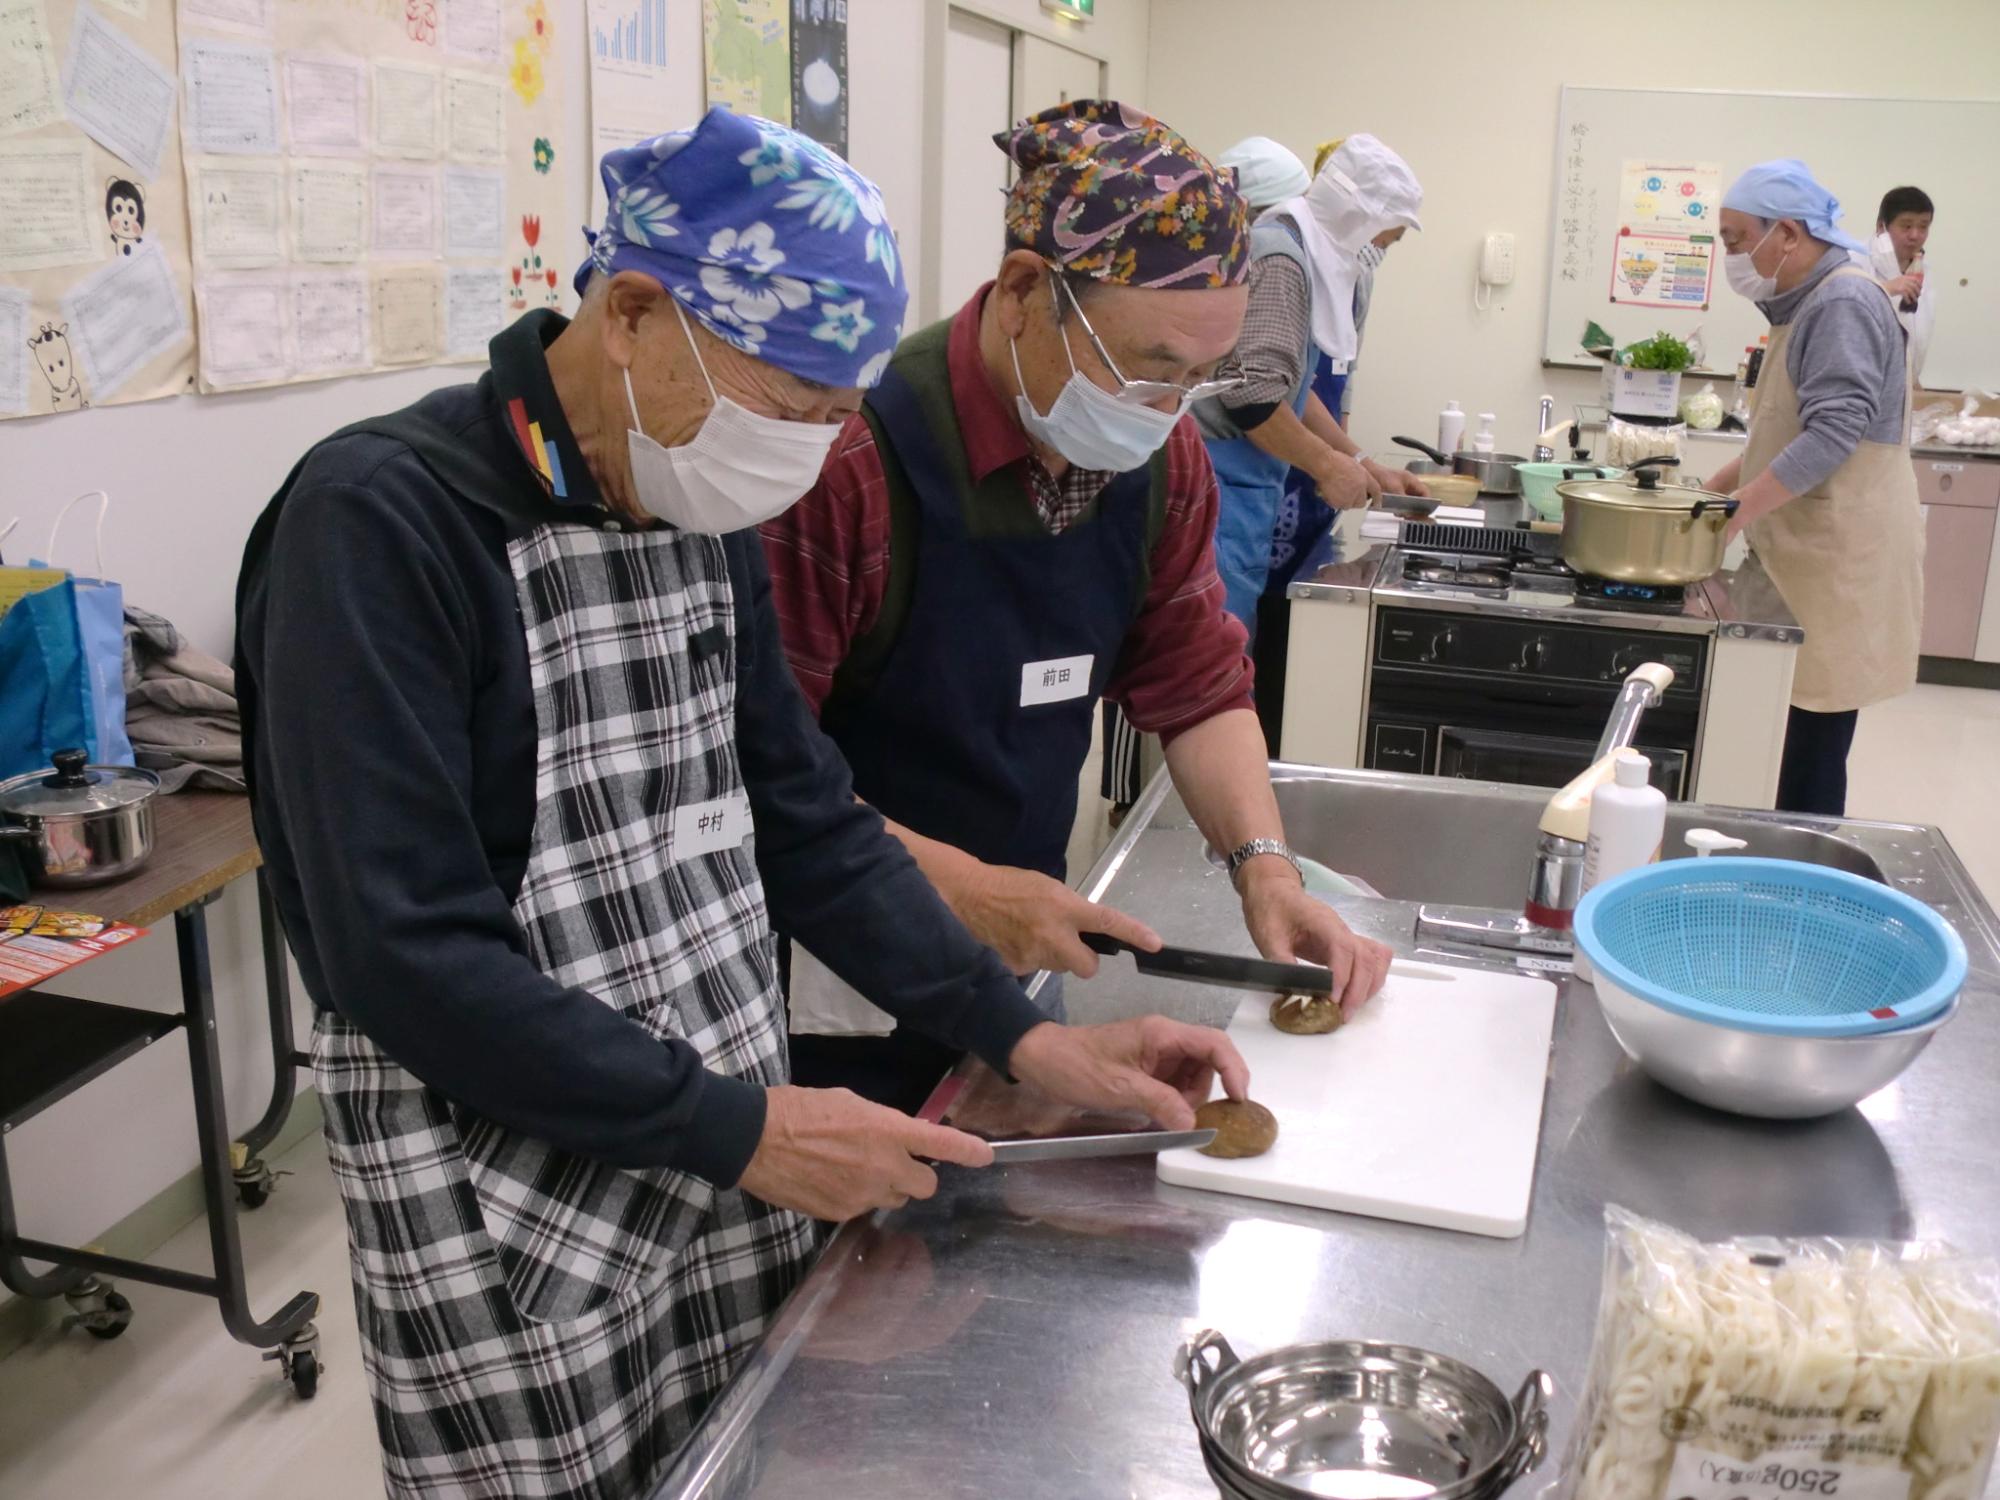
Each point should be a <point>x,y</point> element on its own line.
<point>1371,254</point>
<point>1745,278</point>
<point>740,470</point>
<point>1089,426</point>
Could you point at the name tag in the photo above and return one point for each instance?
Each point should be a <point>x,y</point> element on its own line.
<point>706,827</point>
<point>1055,681</point>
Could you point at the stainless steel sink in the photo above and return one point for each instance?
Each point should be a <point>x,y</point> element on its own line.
<point>1464,843</point>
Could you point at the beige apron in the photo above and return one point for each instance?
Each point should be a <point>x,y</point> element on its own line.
<point>1848,555</point>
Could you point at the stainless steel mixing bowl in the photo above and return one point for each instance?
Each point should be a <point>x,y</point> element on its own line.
<point>1358,1421</point>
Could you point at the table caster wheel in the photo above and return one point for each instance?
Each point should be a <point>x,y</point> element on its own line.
<point>299,1362</point>
<point>97,1310</point>
<point>255,1181</point>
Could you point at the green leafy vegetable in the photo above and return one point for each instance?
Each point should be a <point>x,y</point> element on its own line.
<point>1660,352</point>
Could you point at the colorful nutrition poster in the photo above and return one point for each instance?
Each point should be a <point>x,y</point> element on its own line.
<point>1662,270</point>
<point>1670,198</point>
<point>747,44</point>
<point>1665,251</point>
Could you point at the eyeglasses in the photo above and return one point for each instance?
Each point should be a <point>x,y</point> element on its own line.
<point>1140,392</point>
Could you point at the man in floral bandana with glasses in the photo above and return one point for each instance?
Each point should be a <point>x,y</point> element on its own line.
<point>532,781</point>
<point>1018,524</point>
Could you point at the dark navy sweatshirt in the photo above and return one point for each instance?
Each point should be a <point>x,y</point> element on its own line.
<point>390,738</point>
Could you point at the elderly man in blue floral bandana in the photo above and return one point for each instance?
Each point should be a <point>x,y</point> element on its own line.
<point>532,781</point>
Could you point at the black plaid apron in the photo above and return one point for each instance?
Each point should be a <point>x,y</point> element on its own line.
<point>532,1323</point>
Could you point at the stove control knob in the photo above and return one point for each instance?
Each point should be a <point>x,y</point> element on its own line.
<point>1534,655</point>
<point>1624,661</point>
<point>1439,645</point>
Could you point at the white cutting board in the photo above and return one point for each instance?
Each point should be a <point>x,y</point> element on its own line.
<point>1426,1107</point>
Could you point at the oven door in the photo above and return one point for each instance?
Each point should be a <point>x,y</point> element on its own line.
<point>1541,760</point>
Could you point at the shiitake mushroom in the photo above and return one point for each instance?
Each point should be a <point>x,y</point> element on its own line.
<point>1306,1015</point>
<point>1242,1127</point>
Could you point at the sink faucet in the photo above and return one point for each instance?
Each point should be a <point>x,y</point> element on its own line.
<point>1555,882</point>
<point>1545,418</point>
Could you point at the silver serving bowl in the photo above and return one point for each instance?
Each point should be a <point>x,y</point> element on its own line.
<point>1358,1421</point>
<point>1754,1072</point>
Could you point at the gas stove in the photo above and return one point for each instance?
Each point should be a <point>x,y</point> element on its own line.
<point>1527,579</point>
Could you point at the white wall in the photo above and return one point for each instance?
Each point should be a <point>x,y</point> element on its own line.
<point>188,477</point>
<point>1467,91</point>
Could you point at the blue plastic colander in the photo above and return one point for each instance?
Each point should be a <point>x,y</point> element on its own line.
<point>1772,945</point>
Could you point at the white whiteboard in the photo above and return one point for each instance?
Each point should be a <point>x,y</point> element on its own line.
<point>1859,148</point>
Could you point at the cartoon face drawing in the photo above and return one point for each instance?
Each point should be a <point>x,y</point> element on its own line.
<point>125,213</point>
<point>52,353</point>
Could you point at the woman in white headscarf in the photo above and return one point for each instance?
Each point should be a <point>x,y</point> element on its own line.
<point>1307,255</point>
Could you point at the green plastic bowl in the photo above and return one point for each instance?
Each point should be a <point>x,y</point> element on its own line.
<point>1539,481</point>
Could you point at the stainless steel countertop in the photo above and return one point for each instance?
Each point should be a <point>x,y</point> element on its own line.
<point>1014,1336</point>
<point>1743,602</point>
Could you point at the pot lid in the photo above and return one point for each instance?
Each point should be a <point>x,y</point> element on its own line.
<point>1642,487</point>
<point>73,788</point>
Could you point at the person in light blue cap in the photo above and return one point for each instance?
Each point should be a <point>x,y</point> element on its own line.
<point>1825,486</point>
<point>533,782</point>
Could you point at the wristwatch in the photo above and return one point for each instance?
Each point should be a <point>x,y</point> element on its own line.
<point>1244,853</point>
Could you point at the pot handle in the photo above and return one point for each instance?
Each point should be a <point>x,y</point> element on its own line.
<point>1424,448</point>
<point>1531,1431</point>
<point>1191,1366</point>
<point>1727,507</point>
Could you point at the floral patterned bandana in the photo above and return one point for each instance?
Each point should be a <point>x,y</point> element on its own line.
<point>1111,192</point>
<point>774,243</point>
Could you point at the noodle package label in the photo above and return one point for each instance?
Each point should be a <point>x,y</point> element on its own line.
<point>1762,1369</point>
<point>1698,1474</point>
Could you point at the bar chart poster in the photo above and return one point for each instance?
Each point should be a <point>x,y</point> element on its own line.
<point>819,71</point>
<point>634,31</point>
<point>633,96</point>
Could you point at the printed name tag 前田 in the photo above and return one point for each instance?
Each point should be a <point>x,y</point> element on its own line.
<point>1055,681</point>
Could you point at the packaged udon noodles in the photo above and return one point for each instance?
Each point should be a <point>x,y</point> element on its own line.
<point>1760,1369</point>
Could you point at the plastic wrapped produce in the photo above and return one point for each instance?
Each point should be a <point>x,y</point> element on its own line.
<point>1761,1369</point>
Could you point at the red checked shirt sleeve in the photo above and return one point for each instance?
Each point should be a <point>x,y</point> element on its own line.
<point>829,561</point>
<point>1183,660</point>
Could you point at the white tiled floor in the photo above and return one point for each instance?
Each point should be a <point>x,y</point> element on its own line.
<point>175,1410</point>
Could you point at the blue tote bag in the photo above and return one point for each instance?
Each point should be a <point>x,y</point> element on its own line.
<point>62,667</point>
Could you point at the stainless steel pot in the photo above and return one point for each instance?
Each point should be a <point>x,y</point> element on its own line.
<point>85,824</point>
<point>1494,471</point>
<point>1358,1421</point>
<point>1637,530</point>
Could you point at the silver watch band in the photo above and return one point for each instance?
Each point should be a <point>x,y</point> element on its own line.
<point>1243,853</point>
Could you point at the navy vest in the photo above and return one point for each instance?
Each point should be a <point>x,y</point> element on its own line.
<point>929,710</point>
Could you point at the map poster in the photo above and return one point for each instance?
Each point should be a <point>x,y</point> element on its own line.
<point>1662,270</point>
<point>819,71</point>
<point>747,44</point>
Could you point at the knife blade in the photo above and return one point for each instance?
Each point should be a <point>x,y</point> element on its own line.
<point>1199,967</point>
<point>1262,974</point>
<point>1121,1143</point>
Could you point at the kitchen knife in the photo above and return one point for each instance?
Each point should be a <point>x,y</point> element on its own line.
<point>1260,974</point>
<point>1118,1143</point>
<point>1225,969</point>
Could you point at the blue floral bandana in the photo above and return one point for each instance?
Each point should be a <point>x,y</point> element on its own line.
<point>773,242</point>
